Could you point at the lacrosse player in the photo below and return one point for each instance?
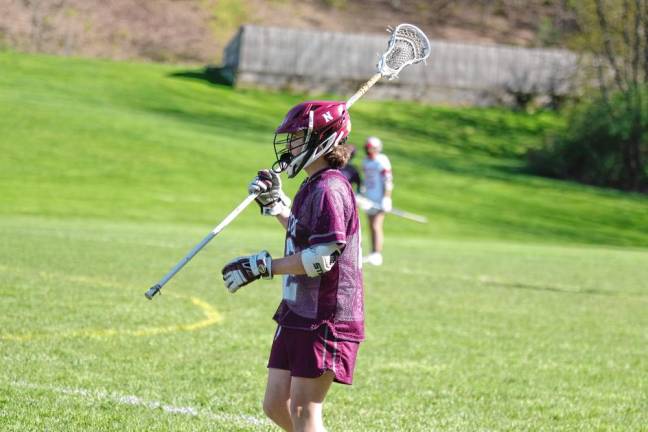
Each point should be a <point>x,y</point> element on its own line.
<point>378,186</point>
<point>351,172</point>
<point>321,316</point>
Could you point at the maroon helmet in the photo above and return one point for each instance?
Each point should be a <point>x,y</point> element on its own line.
<point>325,124</point>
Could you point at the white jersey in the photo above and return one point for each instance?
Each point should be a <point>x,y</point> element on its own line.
<point>377,177</point>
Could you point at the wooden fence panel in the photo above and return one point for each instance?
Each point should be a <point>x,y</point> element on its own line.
<point>328,61</point>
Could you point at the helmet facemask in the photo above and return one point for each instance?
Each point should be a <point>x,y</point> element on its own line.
<point>284,145</point>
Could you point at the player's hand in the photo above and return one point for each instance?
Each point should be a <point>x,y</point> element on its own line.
<point>386,204</point>
<point>364,203</point>
<point>271,198</point>
<point>243,270</point>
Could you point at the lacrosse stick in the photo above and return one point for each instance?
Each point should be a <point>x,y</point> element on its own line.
<point>367,204</point>
<point>407,45</point>
<point>230,217</point>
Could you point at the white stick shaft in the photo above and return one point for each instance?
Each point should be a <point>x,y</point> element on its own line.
<point>408,215</point>
<point>367,204</point>
<point>364,89</point>
<point>230,217</point>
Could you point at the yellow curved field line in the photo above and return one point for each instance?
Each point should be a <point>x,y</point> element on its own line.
<point>211,316</point>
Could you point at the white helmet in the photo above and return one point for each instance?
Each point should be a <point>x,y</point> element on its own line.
<point>373,143</point>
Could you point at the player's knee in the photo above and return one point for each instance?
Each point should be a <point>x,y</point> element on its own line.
<point>273,409</point>
<point>301,413</point>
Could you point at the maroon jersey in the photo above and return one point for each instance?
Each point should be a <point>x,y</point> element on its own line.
<point>324,211</point>
<point>352,175</point>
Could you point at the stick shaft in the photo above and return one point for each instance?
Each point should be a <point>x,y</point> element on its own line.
<point>229,218</point>
<point>408,215</point>
<point>364,89</point>
<point>362,200</point>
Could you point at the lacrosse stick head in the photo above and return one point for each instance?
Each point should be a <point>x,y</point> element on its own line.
<point>407,45</point>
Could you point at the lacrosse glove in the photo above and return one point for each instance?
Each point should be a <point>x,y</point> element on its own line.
<point>271,199</point>
<point>244,270</point>
<point>386,204</point>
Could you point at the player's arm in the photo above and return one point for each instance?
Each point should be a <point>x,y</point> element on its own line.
<point>388,183</point>
<point>327,241</point>
<point>314,261</point>
<point>283,217</point>
<point>358,181</point>
<point>288,265</point>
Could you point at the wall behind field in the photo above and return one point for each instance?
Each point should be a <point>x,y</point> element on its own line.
<point>469,63</point>
<point>456,73</point>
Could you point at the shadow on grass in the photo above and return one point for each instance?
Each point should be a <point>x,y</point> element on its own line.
<point>215,75</point>
<point>588,291</point>
<point>234,122</point>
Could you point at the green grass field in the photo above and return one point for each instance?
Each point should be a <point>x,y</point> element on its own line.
<point>521,306</point>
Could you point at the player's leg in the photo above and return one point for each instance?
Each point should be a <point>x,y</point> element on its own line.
<point>372,231</point>
<point>306,400</point>
<point>377,230</point>
<point>276,403</point>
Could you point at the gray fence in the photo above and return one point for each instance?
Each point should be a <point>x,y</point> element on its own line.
<point>456,73</point>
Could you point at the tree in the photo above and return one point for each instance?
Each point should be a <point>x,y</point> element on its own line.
<point>615,35</point>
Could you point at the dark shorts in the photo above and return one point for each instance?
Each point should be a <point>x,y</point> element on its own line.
<point>308,354</point>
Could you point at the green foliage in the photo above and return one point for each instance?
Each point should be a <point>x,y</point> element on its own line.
<point>606,142</point>
<point>620,19</point>
<point>591,149</point>
<point>337,4</point>
<point>547,33</point>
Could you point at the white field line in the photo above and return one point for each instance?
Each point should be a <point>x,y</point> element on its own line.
<point>101,395</point>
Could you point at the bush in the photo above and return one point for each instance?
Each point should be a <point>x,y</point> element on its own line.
<point>605,143</point>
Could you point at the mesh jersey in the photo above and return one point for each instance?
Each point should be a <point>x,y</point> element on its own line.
<point>377,176</point>
<point>324,211</point>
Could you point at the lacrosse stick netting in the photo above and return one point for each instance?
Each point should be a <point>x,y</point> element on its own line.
<point>407,45</point>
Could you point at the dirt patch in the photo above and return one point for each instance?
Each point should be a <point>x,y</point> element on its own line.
<point>196,31</point>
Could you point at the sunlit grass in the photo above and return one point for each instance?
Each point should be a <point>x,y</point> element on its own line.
<point>520,306</point>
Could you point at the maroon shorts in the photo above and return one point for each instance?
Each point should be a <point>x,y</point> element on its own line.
<point>308,354</point>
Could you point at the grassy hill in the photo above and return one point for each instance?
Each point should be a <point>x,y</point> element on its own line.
<point>520,306</point>
<point>140,142</point>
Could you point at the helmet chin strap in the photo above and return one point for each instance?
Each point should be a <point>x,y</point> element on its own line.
<point>322,149</point>
<point>282,164</point>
